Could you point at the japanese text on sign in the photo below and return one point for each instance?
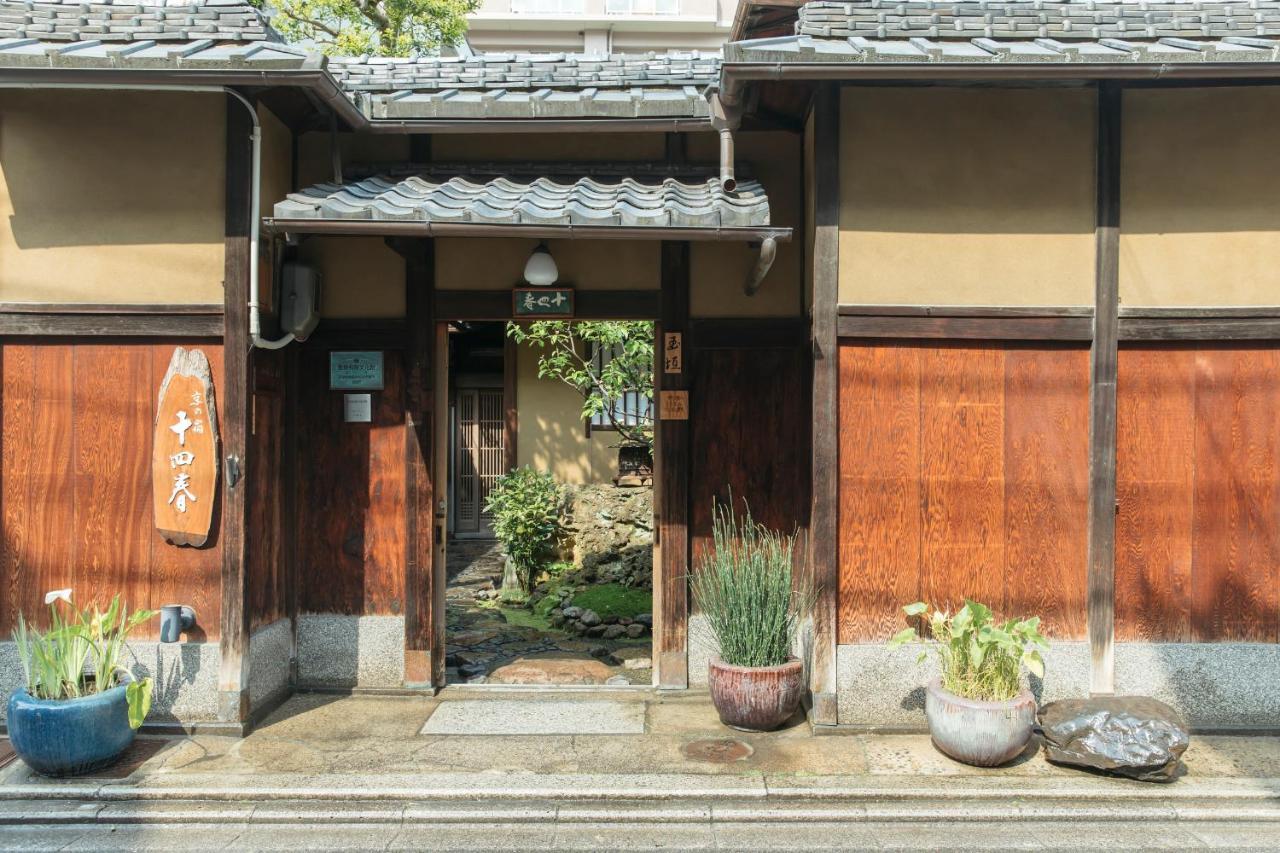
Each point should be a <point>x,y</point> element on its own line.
<point>542,302</point>
<point>672,352</point>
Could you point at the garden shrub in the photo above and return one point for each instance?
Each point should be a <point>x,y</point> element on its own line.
<point>525,505</point>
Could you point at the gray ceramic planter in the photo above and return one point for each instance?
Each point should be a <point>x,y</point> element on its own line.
<point>985,734</point>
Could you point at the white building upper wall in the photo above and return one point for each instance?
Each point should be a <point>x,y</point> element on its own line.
<point>600,26</point>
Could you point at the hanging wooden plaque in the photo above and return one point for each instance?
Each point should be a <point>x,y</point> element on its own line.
<point>184,456</point>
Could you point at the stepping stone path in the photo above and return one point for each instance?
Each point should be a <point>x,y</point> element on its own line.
<point>484,647</point>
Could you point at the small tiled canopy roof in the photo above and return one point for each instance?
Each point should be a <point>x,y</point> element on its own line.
<point>622,202</point>
<point>1025,31</point>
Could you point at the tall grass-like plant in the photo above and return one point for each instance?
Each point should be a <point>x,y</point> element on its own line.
<point>746,589</point>
<point>980,658</point>
<point>82,653</point>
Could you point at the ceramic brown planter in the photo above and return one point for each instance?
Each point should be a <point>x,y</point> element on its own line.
<point>755,698</point>
<point>985,734</point>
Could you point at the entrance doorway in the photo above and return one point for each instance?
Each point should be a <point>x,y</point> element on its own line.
<point>586,615</point>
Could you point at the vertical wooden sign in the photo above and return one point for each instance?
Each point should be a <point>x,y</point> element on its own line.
<point>184,456</point>
<point>673,352</point>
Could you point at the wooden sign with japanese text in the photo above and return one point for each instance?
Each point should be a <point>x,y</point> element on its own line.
<point>672,352</point>
<point>542,302</point>
<point>184,454</point>
<point>673,405</point>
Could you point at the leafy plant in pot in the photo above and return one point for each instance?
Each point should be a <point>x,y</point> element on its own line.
<point>978,709</point>
<point>80,707</point>
<point>745,589</point>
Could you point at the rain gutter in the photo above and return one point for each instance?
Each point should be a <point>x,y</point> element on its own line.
<point>734,76</point>
<point>421,228</point>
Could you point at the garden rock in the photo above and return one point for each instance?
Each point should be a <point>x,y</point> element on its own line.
<point>589,618</point>
<point>613,632</point>
<point>635,630</point>
<point>610,531</point>
<point>572,612</point>
<point>1133,736</point>
<point>645,619</point>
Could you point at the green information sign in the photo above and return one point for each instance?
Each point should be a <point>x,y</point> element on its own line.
<point>355,371</point>
<point>542,302</point>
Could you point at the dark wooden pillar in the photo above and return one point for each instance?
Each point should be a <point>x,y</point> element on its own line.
<point>1102,397</point>
<point>423,621</point>
<point>671,591</point>
<point>233,669</point>
<point>824,562</point>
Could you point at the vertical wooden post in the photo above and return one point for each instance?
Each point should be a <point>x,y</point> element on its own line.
<point>510,402</point>
<point>671,599</point>
<point>824,562</point>
<point>233,668</point>
<point>421,650</point>
<point>440,484</point>
<point>1103,361</point>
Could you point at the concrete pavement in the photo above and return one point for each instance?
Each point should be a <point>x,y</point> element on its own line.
<point>357,773</point>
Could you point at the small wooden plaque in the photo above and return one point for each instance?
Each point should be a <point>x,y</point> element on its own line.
<point>673,405</point>
<point>184,458</point>
<point>672,352</point>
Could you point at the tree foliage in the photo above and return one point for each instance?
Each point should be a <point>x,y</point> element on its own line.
<point>376,27</point>
<point>566,355</point>
<point>525,506</point>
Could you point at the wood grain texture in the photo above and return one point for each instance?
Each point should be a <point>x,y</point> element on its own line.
<point>1046,486</point>
<point>1236,562</point>
<point>350,496</point>
<point>961,463</point>
<point>111,396</point>
<point>76,471</point>
<point>1155,472</point>
<point>963,475</point>
<point>1199,485</point>
<point>266,570</point>
<point>880,488</point>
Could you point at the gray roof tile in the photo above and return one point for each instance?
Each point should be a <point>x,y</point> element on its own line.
<point>624,202</point>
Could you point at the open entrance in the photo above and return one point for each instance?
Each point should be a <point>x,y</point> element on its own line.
<point>563,409</point>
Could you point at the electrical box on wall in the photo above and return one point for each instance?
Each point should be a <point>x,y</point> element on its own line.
<point>299,299</point>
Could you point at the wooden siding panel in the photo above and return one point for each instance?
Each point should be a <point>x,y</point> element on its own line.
<point>16,391</point>
<point>49,555</point>
<point>1155,470</point>
<point>1047,486</point>
<point>111,397</point>
<point>350,496</point>
<point>1236,563</point>
<point>961,465</point>
<point>879,410</point>
<point>266,572</point>
<point>964,474</point>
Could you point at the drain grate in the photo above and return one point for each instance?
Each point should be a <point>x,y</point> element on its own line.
<point>717,750</point>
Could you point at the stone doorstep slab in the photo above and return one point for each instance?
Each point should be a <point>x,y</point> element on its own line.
<point>554,717</point>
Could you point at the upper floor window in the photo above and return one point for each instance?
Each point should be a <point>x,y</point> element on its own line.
<point>633,408</point>
<point>548,7</point>
<point>642,7</point>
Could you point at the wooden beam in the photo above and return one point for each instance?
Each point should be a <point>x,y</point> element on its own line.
<point>824,557</point>
<point>671,587</point>
<point>110,308</point>
<point>1199,329</point>
<point>982,328</point>
<point>510,410</point>
<point>111,325</point>
<point>233,669</point>
<point>421,650</point>
<point>591,304</point>
<point>1223,312</point>
<point>993,311</point>
<point>1103,360</point>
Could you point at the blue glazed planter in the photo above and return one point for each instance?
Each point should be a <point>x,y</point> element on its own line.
<point>66,737</point>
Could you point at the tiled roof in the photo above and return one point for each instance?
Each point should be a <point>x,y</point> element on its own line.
<point>149,20</point>
<point>1024,31</point>
<point>625,202</point>
<point>1029,19</point>
<point>499,85</point>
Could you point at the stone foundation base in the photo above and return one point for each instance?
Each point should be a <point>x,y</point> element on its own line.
<point>350,651</point>
<point>1213,685</point>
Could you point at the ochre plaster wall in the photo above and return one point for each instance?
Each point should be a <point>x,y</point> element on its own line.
<point>277,160</point>
<point>967,197</point>
<point>497,263</point>
<point>362,277</point>
<point>111,197</point>
<point>551,435</point>
<point>718,270</point>
<point>1199,220</point>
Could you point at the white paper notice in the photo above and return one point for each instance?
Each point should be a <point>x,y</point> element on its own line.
<point>357,408</point>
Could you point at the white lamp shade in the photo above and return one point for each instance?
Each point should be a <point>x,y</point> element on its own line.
<point>540,269</point>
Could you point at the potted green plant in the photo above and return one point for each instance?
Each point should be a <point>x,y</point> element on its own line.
<point>745,588</point>
<point>79,708</point>
<point>525,506</point>
<point>978,709</point>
